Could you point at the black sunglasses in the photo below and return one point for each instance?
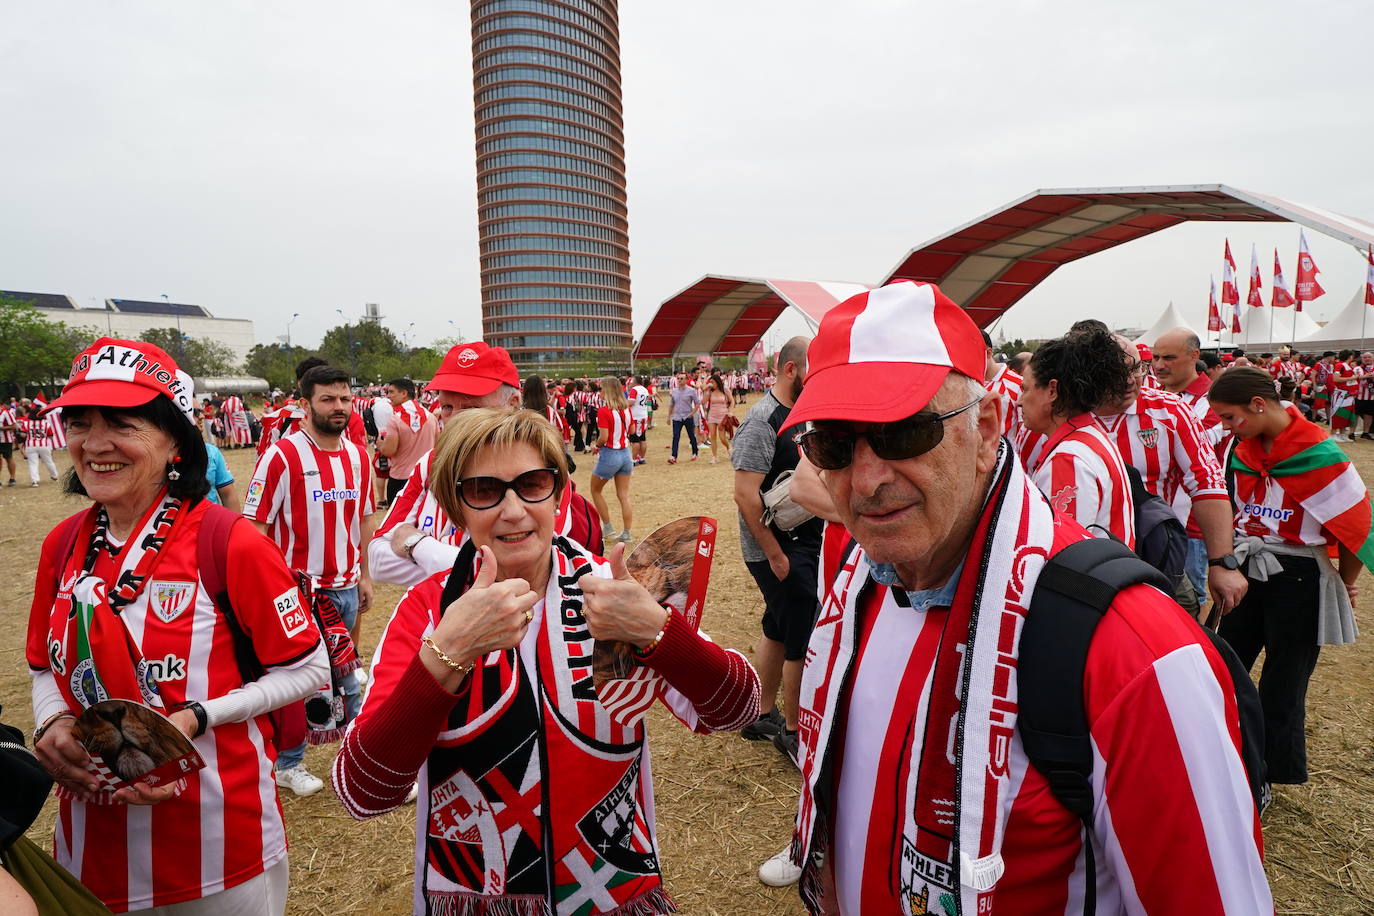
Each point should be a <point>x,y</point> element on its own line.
<point>485,492</point>
<point>830,446</point>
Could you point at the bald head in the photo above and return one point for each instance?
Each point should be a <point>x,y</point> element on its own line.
<point>1174,359</point>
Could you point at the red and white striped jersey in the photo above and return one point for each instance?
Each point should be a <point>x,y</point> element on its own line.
<point>1276,517</point>
<point>313,503</point>
<point>1159,435</point>
<point>1288,369</point>
<point>38,433</point>
<point>1082,475</point>
<point>1166,742</point>
<point>1364,378</point>
<point>1007,386</point>
<point>615,426</point>
<point>1166,749</point>
<point>1195,396</point>
<point>226,826</point>
<point>9,422</point>
<point>559,421</point>
<point>416,505</point>
<point>1346,371</point>
<point>236,420</point>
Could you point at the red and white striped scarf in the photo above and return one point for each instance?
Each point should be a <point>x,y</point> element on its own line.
<point>952,836</point>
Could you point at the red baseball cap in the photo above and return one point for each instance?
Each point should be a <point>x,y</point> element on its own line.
<point>474,369</point>
<point>1145,353</point>
<point>881,355</point>
<point>125,373</point>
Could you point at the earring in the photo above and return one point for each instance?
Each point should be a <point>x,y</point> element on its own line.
<point>174,474</point>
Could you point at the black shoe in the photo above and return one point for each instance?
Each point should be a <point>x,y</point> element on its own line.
<point>786,741</point>
<point>765,728</point>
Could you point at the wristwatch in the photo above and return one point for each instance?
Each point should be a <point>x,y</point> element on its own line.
<point>202,720</point>
<point>408,545</point>
<point>1228,561</point>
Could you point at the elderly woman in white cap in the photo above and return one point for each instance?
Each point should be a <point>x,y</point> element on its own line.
<point>132,602</point>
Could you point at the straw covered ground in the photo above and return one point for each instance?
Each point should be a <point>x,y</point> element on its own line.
<point>725,805</point>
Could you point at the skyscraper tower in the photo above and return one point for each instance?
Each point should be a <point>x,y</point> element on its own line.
<point>551,181</point>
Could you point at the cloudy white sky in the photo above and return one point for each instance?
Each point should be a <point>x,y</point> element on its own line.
<point>265,158</point>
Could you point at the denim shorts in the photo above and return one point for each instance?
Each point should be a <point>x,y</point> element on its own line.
<point>612,461</point>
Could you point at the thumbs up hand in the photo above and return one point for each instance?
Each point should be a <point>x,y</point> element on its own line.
<point>490,616</point>
<point>619,608</point>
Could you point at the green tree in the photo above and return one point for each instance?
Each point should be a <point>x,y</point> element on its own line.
<point>198,356</point>
<point>275,363</point>
<point>362,348</point>
<point>34,350</point>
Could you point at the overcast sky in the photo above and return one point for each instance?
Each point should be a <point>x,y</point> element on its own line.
<point>262,159</point>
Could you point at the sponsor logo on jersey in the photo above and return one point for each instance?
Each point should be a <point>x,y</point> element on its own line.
<point>334,495</point>
<point>1274,512</point>
<point>168,668</point>
<point>290,612</point>
<point>169,599</point>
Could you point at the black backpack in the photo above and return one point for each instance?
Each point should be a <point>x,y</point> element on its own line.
<point>1074,590</point>
<point>1160,538</point>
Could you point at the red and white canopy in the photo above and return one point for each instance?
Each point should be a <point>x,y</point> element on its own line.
<point>728,315</point>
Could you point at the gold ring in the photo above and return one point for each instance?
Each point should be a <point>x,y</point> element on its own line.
<point>529,615</point>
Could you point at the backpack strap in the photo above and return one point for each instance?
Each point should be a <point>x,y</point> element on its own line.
<point>1074,590</point>
<point>212,558</point>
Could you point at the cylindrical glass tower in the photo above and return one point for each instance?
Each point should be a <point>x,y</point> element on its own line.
<point>551,181</point>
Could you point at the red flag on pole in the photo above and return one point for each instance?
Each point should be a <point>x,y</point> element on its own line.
<point>1281,298</point>
<point>1253,296</point>
<point>1213,313</point>
<point>1369,279</point>
<point>1229,294</point>
<point>1308,287</point>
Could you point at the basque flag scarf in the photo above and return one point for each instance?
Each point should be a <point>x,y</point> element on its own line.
<point>1314,471</point>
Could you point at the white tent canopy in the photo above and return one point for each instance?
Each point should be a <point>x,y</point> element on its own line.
<point>1353,327</point>
<point>1169,319</point>
<point>1265,329</point>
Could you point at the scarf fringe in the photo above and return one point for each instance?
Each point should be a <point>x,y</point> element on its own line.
<point>457,903</point>
<point>316,737</point>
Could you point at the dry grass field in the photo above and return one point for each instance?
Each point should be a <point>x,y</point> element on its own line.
<point>724,805</point>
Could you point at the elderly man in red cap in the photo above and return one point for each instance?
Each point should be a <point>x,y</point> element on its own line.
<point>417,539</point>
<point>917,792</point>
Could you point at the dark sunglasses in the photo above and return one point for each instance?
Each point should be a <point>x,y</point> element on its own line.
<point>830,447</point>
<point>485,492</point>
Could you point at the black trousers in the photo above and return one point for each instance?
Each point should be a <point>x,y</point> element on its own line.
<point>690,425</point>
<point>1280,616</point>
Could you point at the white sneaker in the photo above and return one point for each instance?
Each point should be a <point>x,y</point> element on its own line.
<point>299,781</point>
<point>779,871</point>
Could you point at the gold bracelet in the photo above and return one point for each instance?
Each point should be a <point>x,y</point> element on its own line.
<point>464,669</point>
<point>657,639</point>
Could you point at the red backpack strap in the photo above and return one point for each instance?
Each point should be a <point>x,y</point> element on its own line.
<point>213,548</point>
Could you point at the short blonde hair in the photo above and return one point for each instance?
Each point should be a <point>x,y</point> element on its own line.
<point>613,394</point>
<point>471,431</point>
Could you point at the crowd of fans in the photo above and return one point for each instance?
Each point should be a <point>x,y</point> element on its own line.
<point>906,503</point>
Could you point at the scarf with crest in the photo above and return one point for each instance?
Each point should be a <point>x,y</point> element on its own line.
<point>95,658</point>
<point>538,799</point>
<point>951,838</point>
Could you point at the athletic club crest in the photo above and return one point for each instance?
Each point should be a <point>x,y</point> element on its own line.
<point>169,599</point>
<point>1148,437</point>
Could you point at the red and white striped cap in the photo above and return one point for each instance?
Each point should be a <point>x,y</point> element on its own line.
<point>881,355</point>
